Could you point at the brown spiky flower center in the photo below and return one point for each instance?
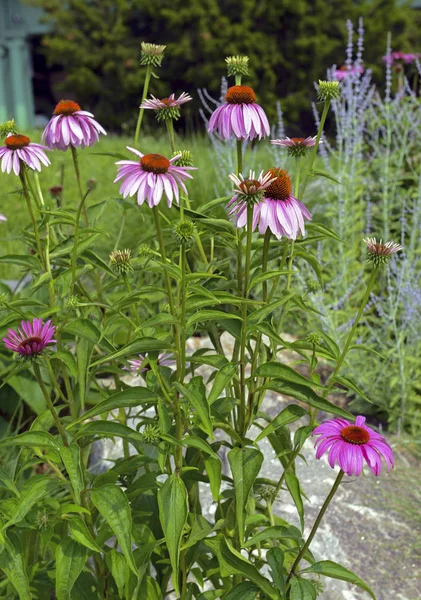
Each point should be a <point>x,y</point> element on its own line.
<point>29,341</point>
<point>249,186</point>
<point>355,435</point>
<point>15,142</point>
<point>66,107</point>
<point>155,163</point>
<point>280,188</point>
<point>240,94</point>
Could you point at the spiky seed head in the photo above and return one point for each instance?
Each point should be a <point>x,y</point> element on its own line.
<point>121,261</point>
<point>185,160</point>
<point>151,433</point>
<point>184,232</point>
<point>151,54</point>
<point>266,493</point>
<point>71,303</point>
<point>328,90</point>
<point>237,65</point>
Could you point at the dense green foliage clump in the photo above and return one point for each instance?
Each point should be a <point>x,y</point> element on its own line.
<point>290,43</point>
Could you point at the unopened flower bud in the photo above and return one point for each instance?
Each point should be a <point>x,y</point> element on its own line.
<point>121,261</point>
<point>151,54</point>
<point>237,65</point>
<point>145,250</point>
<point>151,433</point>
<point>184,232</point>
<point>312,286</point>
<point>314,338</point>
<point>185,160</point>
<point>56,191</point>
<point>328,90</point>
<point>71,303</point>
<point>164,307</point>
<point>8,127</point>
<point>91,184</point>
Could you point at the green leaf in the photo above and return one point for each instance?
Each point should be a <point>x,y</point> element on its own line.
<point>265,276</point>
<point>70,455</point>
<point>33,491</point>
<point>319,173</point>
<point>294,489</point>
<point>277,370</point>
<point>84,352</point>
<point>307,395</point>
<point>349,383</point>
<point>23,260</point>
<point>81,534</point>
<point>31,439</point>
<point>195,441</point>
<point>12,562</point>
<point>245,465</point>
<point>263,312</point>
<point>149,590</point>
<point>331,569</point>
<point>195,394</point>
<point>29,390</point>
<point>243,591</point>
<point>275,558</point>
<point>118,566</point>
<point>97,261</point>
<point>218,226</point>
<point>210,315</point>
<point>231,562</point>
<point>8,482</point>
<point>289,414</point>
<point>323,230</point>
<point>312,261</point>
<point>112,504</point>
<point>301,589</point>
<point>133,396</point>
<point>87,330</point>
<point>200,528</point>
<point>109,429</point>
<point>173,511</point>
<point>222,379</point>
<point>139,346</point>
<point>68,359</point>
<point>214,471</point>
<point>277,532</point>
<point>70,560</point>
<point>215,202</point>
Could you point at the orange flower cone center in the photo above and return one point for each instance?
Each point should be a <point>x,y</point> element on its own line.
<point>280,188</point>
<point>240,94</point>
<point>298,141</point>
<point>355,435</point>
<point>155,163</point>
<point>66,107</point>
<point>15,142</point>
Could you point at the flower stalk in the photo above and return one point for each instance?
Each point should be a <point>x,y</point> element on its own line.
<point>142,110</point>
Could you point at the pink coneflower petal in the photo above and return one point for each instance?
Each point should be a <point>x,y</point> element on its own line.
<point>71,126</point>
<point>351,445</point>
<point>31,339</point>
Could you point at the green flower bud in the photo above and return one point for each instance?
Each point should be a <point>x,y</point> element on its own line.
<point>328,90</point>
<point>8,127</point>
<point>185,160</point>
<point>151,433</point>
<point>71,304</point>
<point>312,286</point>
<point>314,338</point>
<point>121,261</point>
<point>151,54</point>
<point>184,232</point>
<point>237,65</point>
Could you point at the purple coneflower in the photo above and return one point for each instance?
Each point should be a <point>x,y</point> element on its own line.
<point>247,191</point>
<point>71,126</point>
<point>32,339</point>
<point>296,147</point>
<point>3,217</point>
<point>379,253</point>
<point>150,177</point>
<point>19,148</point>
<point>400,57</point>
<point>279,210</point>
<point>347,71</point>
<point>350,445</point>
<point>167,108</point>
<point>240,116</point>
<point>164,360</point>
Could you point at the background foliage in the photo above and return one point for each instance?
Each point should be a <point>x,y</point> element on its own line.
<point>290,44</point>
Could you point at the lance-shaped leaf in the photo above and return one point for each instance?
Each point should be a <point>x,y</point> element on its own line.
<point>12,562</point>
<point>222,379</point>
<point>109,429</point>
<point>195,393</point>
<point>289,414</point>
<point>331,569</point>
<point>245,465</point>
<point>118,566</point>
<point>70,455</point>
<point>70,560</point>
<point>140,346</point>
<point>243,591</point>
<point>302,589</point>
<point>173,512</point>
<point>36,489</point>
<point>80,532</point>
<point>112,504</point>
<point>214,471</point>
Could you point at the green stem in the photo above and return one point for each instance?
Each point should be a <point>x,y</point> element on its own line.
<point>316,146</point>
<point>142,110</point>
<point>22,176</point>
<point>315,526</point>
<point>123,420</point>
<point>351,334</point>
<point>82,196</point>
<point>50,405</point>
<point>129,291</point>
<point>183,311</point>
<point>120,232</point>
<point>239,157</point>
<point>242,407</point>
<point>38,188</point>
<point>265,258</point>
<point>290,261</point>
<point>170,129</point>
<point>75,239</point>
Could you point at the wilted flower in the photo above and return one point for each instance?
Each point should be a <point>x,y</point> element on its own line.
<point>237,65</point>
<point>296,147</point>
<point>143,366</point>
<point>247,191</point>
<point>121,261</point>
<point>328,90</point>
<point>240,116</point>
<point>32,339</point>
<point>91,184</point>
<point>347,71</point>
<point>185,158</point>
<point>56,191</point>
<point>19,149</point>
<point>150,177</point>
<point>71,126</point>
<point>167,108</point>
<point>350,445</point>
<point>279,210</point>
<point>151,54</point>
<point>379,253</point>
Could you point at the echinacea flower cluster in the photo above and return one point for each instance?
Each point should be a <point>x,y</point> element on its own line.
<point>152,176</point>
<point>351,445</point>
<point>31,339</point>
<point>399,57</point>
<point>240,116</point>
<point>347,71</point>
<point>18,150</point>
<point>71,126</point>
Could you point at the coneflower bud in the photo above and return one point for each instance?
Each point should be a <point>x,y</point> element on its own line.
<point>328,90</point>
<point>312,286</point>
<point>151,433</point>
<point>71,303</point>
<point>151,54</point>
<point>8,127</point>
<point>313,338</point>
<point>145,250</point>
<point>91,184</point>
<point>379,253</point>
<point>185,160</point>
<point>237,65</point>
<point>121,261</point>
<point>266,493</point>
<point>164,307</point>
<point>184,232</point>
